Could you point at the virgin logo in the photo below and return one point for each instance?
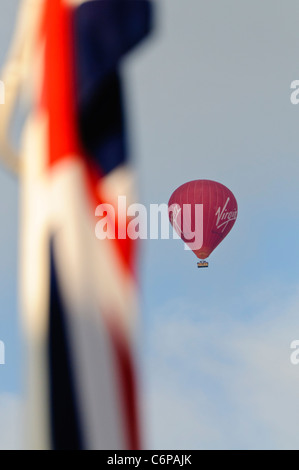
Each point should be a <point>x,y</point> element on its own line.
<point>224,217</point>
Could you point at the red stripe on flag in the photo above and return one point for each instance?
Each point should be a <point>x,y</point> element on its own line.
<point>127,386</point>
<point>59,91</point>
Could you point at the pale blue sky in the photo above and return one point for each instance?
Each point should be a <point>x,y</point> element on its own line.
<point>209,98</point>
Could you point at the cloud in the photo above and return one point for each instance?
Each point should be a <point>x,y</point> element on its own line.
<point>214,380</point>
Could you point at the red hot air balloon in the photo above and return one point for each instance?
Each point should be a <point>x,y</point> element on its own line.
<point>202,212</point>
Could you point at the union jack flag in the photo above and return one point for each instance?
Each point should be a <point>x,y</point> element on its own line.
<point>78,293</point>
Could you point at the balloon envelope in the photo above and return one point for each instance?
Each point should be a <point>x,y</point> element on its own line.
<point>202,212</point>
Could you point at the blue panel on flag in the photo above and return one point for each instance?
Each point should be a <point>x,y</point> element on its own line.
<point>105,30</point>
<point>65,426</point>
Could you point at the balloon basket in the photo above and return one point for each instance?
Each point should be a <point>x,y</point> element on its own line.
<point>203,264</point>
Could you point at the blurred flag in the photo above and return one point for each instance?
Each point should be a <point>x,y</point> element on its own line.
<point>78,292</point>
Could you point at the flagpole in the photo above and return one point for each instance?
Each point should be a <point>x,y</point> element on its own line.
<point>8,156</point>
<point>14,75</point>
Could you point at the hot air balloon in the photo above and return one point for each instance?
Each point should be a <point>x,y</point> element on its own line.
<point>202,212</point>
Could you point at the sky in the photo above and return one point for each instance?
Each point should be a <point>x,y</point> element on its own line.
<point>208,97</point>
